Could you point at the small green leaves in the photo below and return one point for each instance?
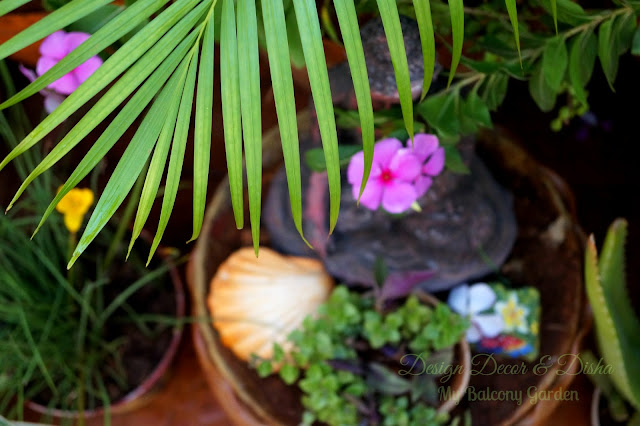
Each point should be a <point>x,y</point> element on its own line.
<point>554,13</point>
<point>541,92</point>
<point>289,373</point>
<point>440,112</point>
<point>554,63</point>
<point>393,31</point>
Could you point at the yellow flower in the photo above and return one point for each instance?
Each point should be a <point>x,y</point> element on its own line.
<point>513,314</point>
<point>73,206</point>
<point>535,328</point>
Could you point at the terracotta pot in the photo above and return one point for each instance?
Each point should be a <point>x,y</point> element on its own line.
<point>248,399</point>
<point>547,255</point>
<point>144,392</point>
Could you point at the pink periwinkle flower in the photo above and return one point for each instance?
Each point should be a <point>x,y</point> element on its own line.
<point>399,175</point>
<point>391,182</point>
<point>431,155</point>
<point>52,50</point>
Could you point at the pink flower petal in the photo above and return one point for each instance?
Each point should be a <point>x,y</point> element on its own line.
<point>423,145</point>
<point>54,46</point>
<point>44,64</point>
<point>422,185</point>
<point>405,166</point>
<point>372,193</point>
<point>30,74</point>
<point>85,70</point>
<point>435,164</point>
<point>356,168</point>
<point>384,151</point>
<point>74,39</point>
<point>65,85</point>
<point>398,196</point>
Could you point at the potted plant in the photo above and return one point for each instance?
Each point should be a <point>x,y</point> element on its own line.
<point>542,42</point>
<point>615,400</point>
<point>92,340</point>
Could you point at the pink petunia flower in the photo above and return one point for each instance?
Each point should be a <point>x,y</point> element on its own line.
<point>427,148</point>
<point>52,50</point>
<point>391,183</point>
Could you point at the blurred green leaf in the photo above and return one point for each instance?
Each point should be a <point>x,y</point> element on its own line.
<point>568,12</point>
<point>584,50</point>
<point>456,10</point>
<point>635,47</point>
<point>293,35</point>
<point>453,160</point>
<point>513,17</point>
<point>427,39</point>
<point>440,112</point>
<point>494,90</point>
<point>96,20</point>
<point>7,6</point>
<point>543,94</point>
<point>315,157</point>
<point>474,109</point>
<point>608,51</point>
<point>554,63</point>
<point>624,28</point>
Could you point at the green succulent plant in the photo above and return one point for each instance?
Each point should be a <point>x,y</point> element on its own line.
<point>617,328</point>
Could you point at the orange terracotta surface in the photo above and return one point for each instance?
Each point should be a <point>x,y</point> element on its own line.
<point>11,25</point>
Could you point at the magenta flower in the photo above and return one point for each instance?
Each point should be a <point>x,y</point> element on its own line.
<point>57,46</point>
<point>391,182</point>
<point>427,148</point>
<point>53,49</point>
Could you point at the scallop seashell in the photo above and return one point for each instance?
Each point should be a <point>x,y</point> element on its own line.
<point>256,302</point>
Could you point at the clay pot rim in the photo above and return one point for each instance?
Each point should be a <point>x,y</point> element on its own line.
<point>147,386</point>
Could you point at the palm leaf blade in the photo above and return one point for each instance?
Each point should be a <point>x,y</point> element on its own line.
<point>7,6</point>
<point>456,9</point>
<point>513,17</point>
<point>230,91</point>
<point>249,78</point>
<point>202,141</point>
<point>427,39</point>
<point>120,90</point>
<point>311,38</point>
<point>102,39</point>
<point>59,19</point>
<point>395,40</point>
<point>116,64</point>
<point>120,124</point>
<point>348,21</point>
<point>188,81</point>
<point>279,64</point>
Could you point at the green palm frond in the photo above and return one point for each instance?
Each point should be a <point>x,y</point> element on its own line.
<point>165,63</point>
